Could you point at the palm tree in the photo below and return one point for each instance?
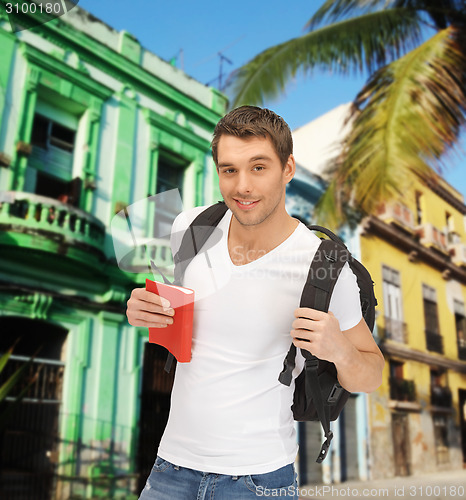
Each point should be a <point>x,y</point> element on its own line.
<point>12,382</point>
<point>409,113</point>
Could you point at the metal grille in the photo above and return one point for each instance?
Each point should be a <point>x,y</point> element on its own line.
<point>28,444</point>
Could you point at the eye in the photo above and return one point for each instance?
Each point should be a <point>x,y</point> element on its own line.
<point>258,168</point>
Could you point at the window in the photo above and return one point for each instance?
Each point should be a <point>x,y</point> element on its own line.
<point>52,161</point>
<point>47,133</point>
<point>170,175</point>
<point>440,393</point>
<point>394,327</point>
<point>441,437</point>
<point>396,369</point>
<point>419,203</point>
<point>400,388</point>
<point>434,340</point>
<point>460,322</point>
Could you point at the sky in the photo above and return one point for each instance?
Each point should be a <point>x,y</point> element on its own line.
<point>196,32</point>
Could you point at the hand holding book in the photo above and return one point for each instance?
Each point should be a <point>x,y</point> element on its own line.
<point>176,337</point>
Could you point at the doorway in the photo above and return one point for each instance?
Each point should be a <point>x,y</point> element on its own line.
<point>401,444</point>
<point>155,396</point>
<point>30,438</point>
<point>462,405</point>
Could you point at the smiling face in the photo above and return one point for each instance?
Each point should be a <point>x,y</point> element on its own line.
<point>252,179</point>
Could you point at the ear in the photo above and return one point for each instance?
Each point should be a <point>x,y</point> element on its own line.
<point>290,169</point>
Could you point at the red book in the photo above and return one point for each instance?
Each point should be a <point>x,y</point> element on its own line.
<point>177,337</point>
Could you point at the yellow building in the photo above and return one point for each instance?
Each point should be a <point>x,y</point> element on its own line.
<point>415,250</point>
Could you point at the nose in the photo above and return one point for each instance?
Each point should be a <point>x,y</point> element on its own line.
<point>244,185</point>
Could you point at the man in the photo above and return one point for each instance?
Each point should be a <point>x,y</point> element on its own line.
<point>230,433</point>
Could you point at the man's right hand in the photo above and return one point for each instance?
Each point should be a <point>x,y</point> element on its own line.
<point>148,309</point>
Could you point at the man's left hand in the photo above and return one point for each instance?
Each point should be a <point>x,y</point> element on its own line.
<point>321,334</point>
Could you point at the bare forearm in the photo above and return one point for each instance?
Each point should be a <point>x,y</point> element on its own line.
<point>360,371</point>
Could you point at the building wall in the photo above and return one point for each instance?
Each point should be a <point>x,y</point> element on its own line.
<point>129,110</point>
<point>436,268</point>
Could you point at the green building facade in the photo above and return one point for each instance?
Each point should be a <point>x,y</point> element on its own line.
<point>90,124</point>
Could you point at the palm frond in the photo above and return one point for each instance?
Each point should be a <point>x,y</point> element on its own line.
<point>441,12</point>
<point>366,42</point>
<point>335,10</point>
<point>406,117</point>
<point>4,358</point>
<point>9,384</point>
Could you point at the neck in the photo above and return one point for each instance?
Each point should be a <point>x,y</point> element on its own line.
<point>248,243</point>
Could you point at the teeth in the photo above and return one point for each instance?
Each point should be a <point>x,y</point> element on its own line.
<point>245,202</point>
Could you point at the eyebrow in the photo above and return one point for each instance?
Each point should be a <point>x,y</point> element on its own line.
<point>251,160</point>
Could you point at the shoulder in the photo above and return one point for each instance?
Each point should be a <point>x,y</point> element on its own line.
<point>306,235</point>
<point>184,219</point>
<point>181,223</point>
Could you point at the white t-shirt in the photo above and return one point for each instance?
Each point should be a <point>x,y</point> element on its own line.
<point>229,413</point>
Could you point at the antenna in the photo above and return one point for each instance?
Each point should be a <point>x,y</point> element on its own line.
<point>223,59</point>
<point>179,56</point>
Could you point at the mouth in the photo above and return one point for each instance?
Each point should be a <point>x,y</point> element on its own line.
<point>246,205</point>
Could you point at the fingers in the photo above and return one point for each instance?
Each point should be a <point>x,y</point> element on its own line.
<point>307,312</point>
<point>149,320</point>
<point>148,309</point>
<point>307,324</point>
<point>152,298</point>
<point>303,344</point>
<point>302,335</point>
<point>142,300</point>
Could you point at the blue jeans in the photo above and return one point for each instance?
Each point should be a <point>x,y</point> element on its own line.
<point>170,482</point>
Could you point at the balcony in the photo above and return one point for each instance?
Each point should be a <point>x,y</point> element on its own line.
<point>434,342</point>
<point>440,396</point>
<point>462,349</point>
<point>394,329</point>
<point>402,390</point>
<point>65,225</point>
<point>398,214</point>
<point>432,237</point>
<point>137,259</point>
<point>458,253</point>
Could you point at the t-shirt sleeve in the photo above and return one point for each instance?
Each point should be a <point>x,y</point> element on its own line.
<point>345,303</point>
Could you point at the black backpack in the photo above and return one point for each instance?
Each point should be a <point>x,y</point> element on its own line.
<point>317,394</point>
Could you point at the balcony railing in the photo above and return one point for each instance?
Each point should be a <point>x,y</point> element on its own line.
<point>394,329</point>
<point>402,390</point>
<point>28,212</point>
<point>434,342</point>
<point>431,236</point>
<point>397,213</point>
<point>138,258</point>
<point>440,396</point>
<point>458,253</point>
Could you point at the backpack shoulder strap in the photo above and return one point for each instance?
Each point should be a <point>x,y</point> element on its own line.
<point>195,236</point>
<point>326,231</point>
<point>328,261</point>
<point>193,240</point>
<point>325,269</point>
<point>365,283</point>
<point>326,266</point>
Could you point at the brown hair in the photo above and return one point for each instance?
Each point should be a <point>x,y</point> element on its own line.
<point>252,121</point>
